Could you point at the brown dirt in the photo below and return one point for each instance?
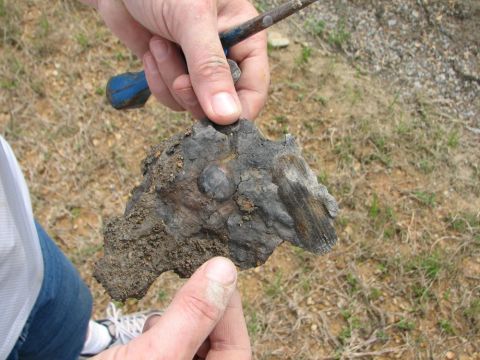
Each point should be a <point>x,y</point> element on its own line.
<point>403,280</point>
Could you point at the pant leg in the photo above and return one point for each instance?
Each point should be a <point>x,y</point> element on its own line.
<point>57,325</point>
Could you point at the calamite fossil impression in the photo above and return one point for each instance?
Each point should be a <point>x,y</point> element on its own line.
<point>214,190</point>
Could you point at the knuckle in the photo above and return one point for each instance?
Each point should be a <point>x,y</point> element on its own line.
<point>199,308</point>
<point>201,7</point>
<point>214,67</point>
<point>196,8</point>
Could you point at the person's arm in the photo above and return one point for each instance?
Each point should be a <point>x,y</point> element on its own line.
<point>158,31</point>
<point>205,318</point>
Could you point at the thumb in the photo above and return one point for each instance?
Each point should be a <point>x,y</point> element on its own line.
<point>209,71</point>
<point>193,314</point>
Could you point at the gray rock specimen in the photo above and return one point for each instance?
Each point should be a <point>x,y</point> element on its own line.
<point>214,190</point>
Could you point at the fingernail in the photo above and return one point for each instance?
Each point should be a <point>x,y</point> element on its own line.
<point>159,49</point>
<point>222,271</point>
<point>224,104</point>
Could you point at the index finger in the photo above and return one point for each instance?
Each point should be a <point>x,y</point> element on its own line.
<point>207,65</point>
<point>252,88</point>
<point>229,339</point>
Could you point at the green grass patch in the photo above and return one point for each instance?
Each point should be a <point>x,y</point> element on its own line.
<point>472,312</point>
<point>339,36</point>
<point>420,292</point>
<point>255,325</point>
<point>383,268</point>
<point>429,264</point>
<point>322,177</point>
<point>345,150</point>
<point>43,27</point>
<point>426,198</point>
<point>320,99</point>
<point>295,86</point>
<point>281,119</point>
<point>162,295</point>
<point>261,6</point>
<point>83,41</point>
<point>374,294</point>
<point>381,158</point>
<point>315,27</point>
<point>380,142</point>
<point>75,212</point>
<point>426,165</point>
<point>346,314</point>
<point>345,335</point>
<point>80,255</point>
<point>10,24</point>
<point>383,217</point>
<point>382,336</point>
<point>274,288</point>
<point>8,84</point>
<point>453,139</point>
<point>352,282</point>
<point>306,285</point>
<point>3,8</point>
<point>355,323</point>
<point>404,128</point>
<point>464,222</point>
<point>119,56</point>
<point>305,55</point>
<point>446,327</point>
<point>405,325</point>
<point>100,91</point>
<point>374,210</point>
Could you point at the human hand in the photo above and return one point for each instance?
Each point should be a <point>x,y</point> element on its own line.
<point>159,30</point>
<point>205,319</point>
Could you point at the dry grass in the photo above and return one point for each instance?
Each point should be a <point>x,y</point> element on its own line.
<point>404,279</point>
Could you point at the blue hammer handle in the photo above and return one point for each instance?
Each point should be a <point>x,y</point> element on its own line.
<point>130,90</point>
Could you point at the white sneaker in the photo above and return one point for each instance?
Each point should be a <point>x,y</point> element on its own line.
<point>123,328</point>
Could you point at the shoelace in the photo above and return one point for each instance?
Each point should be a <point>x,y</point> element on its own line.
<point>127,327</point>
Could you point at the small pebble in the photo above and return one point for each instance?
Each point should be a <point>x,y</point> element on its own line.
<point>450,355</point>
<point>277,40</point>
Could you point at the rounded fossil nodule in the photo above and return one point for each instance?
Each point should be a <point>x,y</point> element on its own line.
<point>214,190</point>
<point>214,182</point>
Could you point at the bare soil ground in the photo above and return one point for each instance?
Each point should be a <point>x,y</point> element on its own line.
<point>404,279</point>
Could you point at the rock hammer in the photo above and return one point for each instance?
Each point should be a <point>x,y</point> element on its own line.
<point>130,90</point>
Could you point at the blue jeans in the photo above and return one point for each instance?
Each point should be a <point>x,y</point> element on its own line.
<point>57,325</point>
